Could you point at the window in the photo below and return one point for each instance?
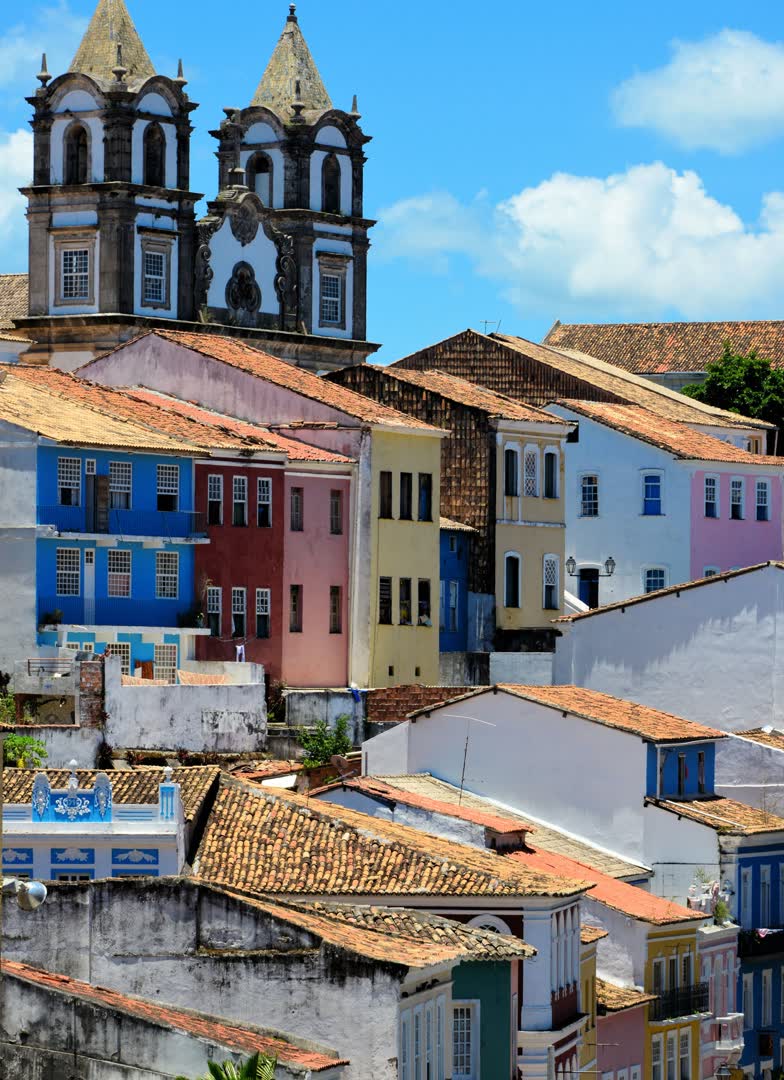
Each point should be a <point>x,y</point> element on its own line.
<point>425,496</point>
<point>658,977</point>
<point>763,500</point>
<point>511,472</point>
<point>73,268</point>
<point>452,599</point>
<point>123,650</point>
<point>551,599</point>
<point>330,185</point>
<point>238,612</point>
<point>512,581</point>
<point>405,601</point>
<point>215,500</point>
<point>681,774</point>
<point>748,1002</point>
<point>701,788</point>
<point>406,496</point>
<point>119,573</point>
<point>385,494</point>
<point>385,601</point>
<point>767,997</point>
<point>418,1044</point>
<point>672,1049</point>
<point>440,1049</point>
<point>69,481</point>
<point>259,177</point>
<point>686,969</point>
<point>764,915</point>
<point>635,1073</point>
<point>685,1055</point>
<point>711,497</point>
<point>672,976</point>
<point>297,509</point>
<point>214,606</point>
<point>331,299</point>
<point>120,482</point>
<point>262,613</point>
<point>77,155</point>
<point>168,487</point>
<point>264,507</point>
<point>550,474</point>
<point>336,513</point>
<point>239,516</point>
<point>69,567</point>
<point>462,1042</point>
<point>429,1039</point>
<point>154,156</point>
<point>335,609</point>
<point>405,1035</point>
<point>737,499</point>
<point>745,899</point>
<point>295,609</point>
<point>154,284</point>
<point>167,575</point>
<point>652,494</point>
<point>164,665</point>
<point>64,876</point>
<point>423,602</point>
<point>654,578</point>
<point>710,571</point>
<point>589,496</point>
<point>531,472</point>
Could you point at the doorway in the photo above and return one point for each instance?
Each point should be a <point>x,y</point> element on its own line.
<point>589,587</point>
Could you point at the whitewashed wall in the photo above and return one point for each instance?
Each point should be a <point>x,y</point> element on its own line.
<point>18,453</point>
<point>751,773</point>
<point>676,848</point>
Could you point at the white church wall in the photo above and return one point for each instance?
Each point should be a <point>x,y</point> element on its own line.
<point>316,163</point>
<point>227,251</point>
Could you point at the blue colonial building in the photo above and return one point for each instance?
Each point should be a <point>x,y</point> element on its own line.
<point>454,558</point>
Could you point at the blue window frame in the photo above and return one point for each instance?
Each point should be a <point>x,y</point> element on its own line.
<point>652,494</point>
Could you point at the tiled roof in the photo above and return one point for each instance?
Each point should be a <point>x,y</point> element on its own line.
<point>619,895</point>
<point>291,62</point>
<point>392,704</point>
<point>612,998</point>
<point>262,840</point>
<point>546,837</point>
<point>590,934</point>
<point>456,526</point>
<point>300,381</point>
<point>767,736</point>
<point>671,590</point>
<point>724,815</point>
<point>13,299</point>
<point>656,348</point>
<point>673,436</point>
<point>139,785</point>
<point>265,770</point>
<point>211,1029</point>
<point>97,54</point>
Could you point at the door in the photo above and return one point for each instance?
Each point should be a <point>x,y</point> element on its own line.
<point>589,587</point>
<point>89,586</point>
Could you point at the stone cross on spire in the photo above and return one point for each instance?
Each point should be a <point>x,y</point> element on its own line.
<point>110,26</point>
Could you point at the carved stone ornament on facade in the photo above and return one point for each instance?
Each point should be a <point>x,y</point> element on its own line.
<point>202,271</point>
<point>243,295</point>
<point>244,222</point>
<point>286,279</point>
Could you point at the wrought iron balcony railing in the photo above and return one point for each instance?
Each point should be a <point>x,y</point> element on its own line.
<point>170,524</point>
<point>684,1001</point>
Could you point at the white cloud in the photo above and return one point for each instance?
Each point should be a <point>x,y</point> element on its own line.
<point>725,93</point>
<point>641,244</point>
<point>16,168</point>
<point>55,31</point>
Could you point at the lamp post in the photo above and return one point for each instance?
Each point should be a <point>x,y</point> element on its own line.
<point>609,567</point>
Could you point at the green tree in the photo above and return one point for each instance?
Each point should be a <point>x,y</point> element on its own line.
<point>749,385</point>
<point>259,1067</point>
<point>323,743</point>
<point>24,750</point>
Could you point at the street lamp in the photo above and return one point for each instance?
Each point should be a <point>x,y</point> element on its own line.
<point>609,567</point>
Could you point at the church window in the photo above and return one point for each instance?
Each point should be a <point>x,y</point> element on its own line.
<point>77,153</point>
<point>330,298</point>
<point>156,271</point>
<point>154,156</point>
<point>333,271</point>
<point>330,185</point>
<point>76,274</point>
<point>259,177</point>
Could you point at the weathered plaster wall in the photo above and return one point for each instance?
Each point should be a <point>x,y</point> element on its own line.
<point>525,668</point>
<point>751,773</point>
<point>65,743</point>
<point>18,453</point>
<point>305,708</point>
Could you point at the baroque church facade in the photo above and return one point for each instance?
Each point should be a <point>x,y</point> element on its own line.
<point>115,248</point>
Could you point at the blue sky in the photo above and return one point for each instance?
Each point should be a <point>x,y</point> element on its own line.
<point>529,162</point>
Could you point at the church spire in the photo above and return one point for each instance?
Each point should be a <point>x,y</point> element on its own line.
<point>110,26</point>
<point>292,64</point>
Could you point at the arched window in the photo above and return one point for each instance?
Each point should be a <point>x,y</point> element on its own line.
<point>511,471</point>
<point>511,580</point>
<point>330,185</point>
<point>259,177</point>
<point>154,156</point>
<point>77,154</point>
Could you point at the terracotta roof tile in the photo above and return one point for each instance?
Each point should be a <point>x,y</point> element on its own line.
<point>612,998</point>
<point>262,840</point>
<point>656,348</point>
<point>590,934</point>
<point>724,815</point>
<point>139,785</point>
<point>394,703</point>
<point>13,299</point>
<point>673,436</point>
<point>456,526</point>
<point>766,736</point>
<point>265,770</point>
<point>212,1029</point>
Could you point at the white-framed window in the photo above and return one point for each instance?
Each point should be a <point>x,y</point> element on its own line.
<point>654,578</point>
<point>764,916</point>
<point>551,600</point>
<point>214,609</point>
<point>737,498</point>
<point>168,477</point>
<point>748,1002</point>
<point>453,597</point>
<point>239,514</point>
<point>657,1063</point>
<point>767,998</point>
<point>513,565</point>
<point>511,471</point>
<point>589,495</point>
<point>297,509</point>
<point>90,467</point>
<point>215,499</point>
<point>263,602</point>
<point>441,1037</point>
<point>164,665</point>
<point>710,571</point>
<point>762,488</point>
<point>652,494</point>
<point>167,575</point>
<point>154,283</point>
<point>622,1074</point>
<point>331,296</point>
<point>684,1038</point>
<point>464,1040</point>
<point>550,473</point>
<point>75,279</point>
<point>123,650</point>
<point>69,481</point>
<point>404,1052</point>
<point>672,1055</point>
<point>531,472</point>
<point>264,505</point>
<point>238,611</point>
<point>69,571</point>
<point>336,512</point>
<point>745,899</point>
<point>120,484</point>
<point>118,582</point>
<point>711,501</point>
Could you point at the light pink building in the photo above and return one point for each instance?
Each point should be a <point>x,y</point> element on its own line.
<point>735,517</point>
<point>620,1031</point>
<point>722,1038</point>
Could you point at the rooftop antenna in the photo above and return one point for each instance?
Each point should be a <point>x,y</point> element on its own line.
<point>468,719</point>
<point>491,322</point>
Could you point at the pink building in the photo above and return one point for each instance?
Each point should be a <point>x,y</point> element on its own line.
<point>620,1031</point>
<point>722,1037</point>
<point>735,516</point>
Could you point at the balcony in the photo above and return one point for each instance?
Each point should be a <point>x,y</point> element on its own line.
<point>168,524</point>
<point>728,1033</point>
<point>685,1001</point>
<point>115,611</point>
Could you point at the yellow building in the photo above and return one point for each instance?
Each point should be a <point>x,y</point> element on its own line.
<point>589,936</point>
<point>674,1017</point>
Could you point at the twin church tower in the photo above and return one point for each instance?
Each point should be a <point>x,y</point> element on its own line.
<point>279,260</point>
